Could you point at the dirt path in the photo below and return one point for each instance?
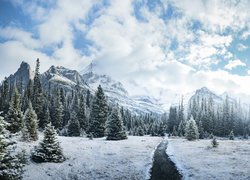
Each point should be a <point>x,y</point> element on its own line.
<point>163,168</point>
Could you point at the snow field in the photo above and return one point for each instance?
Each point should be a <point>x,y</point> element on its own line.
<point>198,160</point>
<point>97,159</point>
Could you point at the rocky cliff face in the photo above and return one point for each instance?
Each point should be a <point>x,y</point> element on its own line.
<point>22,76</point>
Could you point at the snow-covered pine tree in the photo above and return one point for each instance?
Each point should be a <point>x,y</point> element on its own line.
<point>25,133</point>
<point>74,125</point>
<point>139,131</point>
<point>191,131</point>
<point>30,120</point>
<point>57,115</point>
<point>38,98</point>
<point>172,120</point>
<point>28,94</point>
<point>81,114</point>
<point>11,167</point>
<point>114,128</point>
<point>49,150</point>
<point>99,113</point>
<point>201,130</point>
<point>4,97</point>
<point>231,135</point>
<point>14,115</point>
<point>214,142</point>
<point>181,129</point>
<point>175,132</point>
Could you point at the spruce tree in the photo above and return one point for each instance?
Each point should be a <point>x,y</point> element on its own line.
<point>81,114</point>
<point>4,96</point>
<point>115,128</point>
<point>14,115</point>
<point>191,131</point>
<point>11,167</point>
<point>175,132</point>
<point>30,120</point>
<point>231,135</point>
<point>140,131</point>
<point>99,113</point>
<point>214,142</point>
<point>181,129</point>
<point>49,150</point>
<point>38,98</point>
<point>74,125</point>
<point>57,115</point>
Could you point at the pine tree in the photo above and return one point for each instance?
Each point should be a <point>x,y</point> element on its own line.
<point>4,96</point>
<point>74,125</point>
<point>214,142</point>
<point>11,167</point>
<point>115,128</point>
<point>181,129</point>
<point>14,115</point>
<point>57,115</point>
<point>175,133</point>
<point>88,99</point>
<point>201,130</point>
<point>140,131</point>
<point>28,95</point>
<point>25,133</point>
<point>172,120</point>
<point>99,113</point>
<point>38,98</point>
<point>49,149</point>
<point>30,120</point>
<point>231,135</point>
<point>81,114</point>
<point>191,131</point>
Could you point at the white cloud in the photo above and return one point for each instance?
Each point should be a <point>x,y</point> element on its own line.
<point>136,52</point>
<point>234,63</point>
<point>241,47</point>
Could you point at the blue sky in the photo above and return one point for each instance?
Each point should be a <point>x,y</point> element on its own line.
<point>203,43</point>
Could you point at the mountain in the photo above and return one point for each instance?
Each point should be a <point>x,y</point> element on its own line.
<point>205,93</point>
<point>63,77</point>
<point>22,76</point>
<point>116,92</point>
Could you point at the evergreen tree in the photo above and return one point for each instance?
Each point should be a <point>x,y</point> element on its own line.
<point>172,120</point>
<point>214,142</point>
<point>201,130</point>
<point>191,131</point>
<point>4,97</point>
<point>140,131</point>
<point>25,133</point>
<point>74,125</point>
<point>57,115</point>
<point>11,167</point>
<point>81,114</point>
<point>14,115</point>
<point>28,94</point>
<point>38,98</point>
<point>49,149</point>
<point>30,120</point>
<point>231,135</point>
<point>88,99</point>
<point>175,133</point>
<point>99,113</point>
<point>115,128</point>
<point>181,129</point>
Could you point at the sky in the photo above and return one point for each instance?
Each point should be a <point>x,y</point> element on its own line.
<point>151,46</point>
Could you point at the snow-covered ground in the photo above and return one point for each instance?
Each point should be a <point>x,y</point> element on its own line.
<point>97,159</point>
<point>198,160</point>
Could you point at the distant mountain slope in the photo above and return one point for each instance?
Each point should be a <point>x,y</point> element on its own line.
<point>118,94</point>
